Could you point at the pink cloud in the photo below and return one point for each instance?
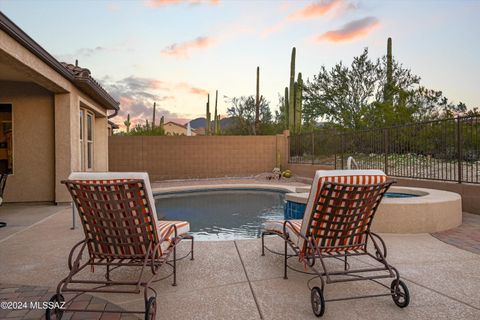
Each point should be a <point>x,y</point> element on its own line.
<point>310,11</point>
<point>157,84</point>
<point>191,89</point>
<point>285,6</point>
<point>351,30</point>
<point>314,10</point>
<point>275,28</point>
<point>162,3</point>
<point>182,49</point>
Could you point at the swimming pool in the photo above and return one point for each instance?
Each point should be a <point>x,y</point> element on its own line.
<point>222,214</point>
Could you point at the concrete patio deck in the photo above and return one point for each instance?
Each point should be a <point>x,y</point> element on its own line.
<point>230,280</point>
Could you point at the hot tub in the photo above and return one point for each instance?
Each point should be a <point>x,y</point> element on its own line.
<point>414,210</point>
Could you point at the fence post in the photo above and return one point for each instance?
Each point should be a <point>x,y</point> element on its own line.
<point>459,149</point>
<point>313,148</point>
<point>385,149</point>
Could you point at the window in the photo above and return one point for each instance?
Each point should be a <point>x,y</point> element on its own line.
<point>87,120</point>
<point>6,139</point>
<point>89,141</point>
<point>82,145</point>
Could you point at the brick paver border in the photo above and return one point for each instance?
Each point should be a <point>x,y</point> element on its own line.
<point>15,293</point>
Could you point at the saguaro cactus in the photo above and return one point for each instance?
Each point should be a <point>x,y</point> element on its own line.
<point>153,118</point>
<point>127,123</point>
<point>294,99</point>
<point>218,128</point>
<point>208,115</point>
<point>388,90</point>
<point>291,101</point>
<point>298,103</point>
<point>286,106</point>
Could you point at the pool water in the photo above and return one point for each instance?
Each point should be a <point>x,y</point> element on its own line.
<point>222,214</point>
<point>400,195</point>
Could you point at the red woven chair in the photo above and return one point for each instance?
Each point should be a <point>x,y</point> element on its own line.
<point>338,216</point>
<point>121,231</point>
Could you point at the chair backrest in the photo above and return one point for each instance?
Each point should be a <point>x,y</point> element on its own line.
<point>117,176</point>
<point>117,213</point>
<point>337,196</point>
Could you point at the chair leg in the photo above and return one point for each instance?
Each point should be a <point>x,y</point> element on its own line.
<point>285,262</point>
<point>191,258</point>
<point>174,266</point>
<point>263,243</point>
<point>108,273</point>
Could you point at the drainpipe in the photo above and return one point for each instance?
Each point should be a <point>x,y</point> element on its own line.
<point>113,114</point>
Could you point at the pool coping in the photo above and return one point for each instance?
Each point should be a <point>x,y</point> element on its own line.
<point>217,187</point>
<point>425,195</point>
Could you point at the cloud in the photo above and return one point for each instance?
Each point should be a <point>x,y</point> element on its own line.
<point>352,30</point>
<point>183,49</point>
<point>163,3</point>
<point>137,95</point>
<point>193,90</point>
<point>315,10</point>
<point>333,8</point>
<point>82,53</point>
<point>275,28</point>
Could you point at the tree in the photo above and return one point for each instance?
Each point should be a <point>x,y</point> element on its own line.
<point>243,110</point>
<point>343,94</point>
<point>372,93</point>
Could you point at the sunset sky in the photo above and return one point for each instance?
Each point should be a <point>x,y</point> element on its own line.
<point>175,52</point>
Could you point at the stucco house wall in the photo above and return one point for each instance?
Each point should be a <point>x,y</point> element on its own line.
<point>46,98</point>
<point>33,142</point>
<point>176,129</point>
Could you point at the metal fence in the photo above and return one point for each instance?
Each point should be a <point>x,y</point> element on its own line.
<point>447,150</point>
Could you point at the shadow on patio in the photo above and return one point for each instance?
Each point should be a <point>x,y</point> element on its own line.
<point>229,279</point>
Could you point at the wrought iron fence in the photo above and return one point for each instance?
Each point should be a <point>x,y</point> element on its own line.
<point>447,150</point>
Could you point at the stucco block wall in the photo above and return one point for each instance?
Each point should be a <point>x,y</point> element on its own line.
<point>33,142</point>
<point>307,170</point>
<point>177,157</point>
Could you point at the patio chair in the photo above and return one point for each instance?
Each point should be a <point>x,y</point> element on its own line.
<point>117,211</point>
<point>336,225</point>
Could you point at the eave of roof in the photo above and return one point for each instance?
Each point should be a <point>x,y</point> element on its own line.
<point>89,85</point>
<point>113,125</point>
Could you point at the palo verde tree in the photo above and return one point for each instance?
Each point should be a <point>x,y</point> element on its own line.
<point>243,110</point>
